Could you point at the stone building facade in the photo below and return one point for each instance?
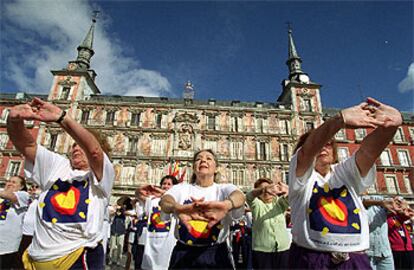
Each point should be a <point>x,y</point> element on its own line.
<point>151,136</point>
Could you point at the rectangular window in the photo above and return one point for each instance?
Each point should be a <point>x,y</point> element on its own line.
<point>404,158</point>
<point>85,117</point>
<point>53,141</point>
<point>408,185</point>
<point>372,189</point>
<point>360,134</point>
<point>237,150</point>
<point>309,126</point>
<point>234,124</point>
<point>211,122</point>
<point>4,138</point>
<point>132,148</point>
<point>391,183</point>
<point>14,168</point>
<point>158,120</point>
<point>341,135</point>
<point>262,151</point>
<point>65,93</point>
<point>4,115</point>
<point>385,158</point>
<point>399,135</point>
<point>284,152</point>
<point>307,105</point>
<point>285,177</point>
<point>259,124</point>
<point>284,127</point>
<point>411,131</point>
<point>211,145</point>
<point>238,177</point>
<point>110,118</point>
<point>343,153</point>
<point>158,147</point>
<point>135,119</point>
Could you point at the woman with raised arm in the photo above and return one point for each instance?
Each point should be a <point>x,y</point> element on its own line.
<point>330,226</point>
<point>75,191</point>
<point>14,201</point>
<point>204,210</point>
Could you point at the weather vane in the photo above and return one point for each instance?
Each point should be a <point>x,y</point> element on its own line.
<point>94,15</point>
<point>289,24</point>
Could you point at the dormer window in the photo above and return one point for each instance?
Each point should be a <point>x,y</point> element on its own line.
<point>65,93</point>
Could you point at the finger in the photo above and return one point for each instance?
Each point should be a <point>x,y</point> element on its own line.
<point>211,223</point>
<point>373,101</point>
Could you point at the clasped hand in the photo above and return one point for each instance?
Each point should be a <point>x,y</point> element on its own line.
<point>37,109</point>
<point>211,212</point>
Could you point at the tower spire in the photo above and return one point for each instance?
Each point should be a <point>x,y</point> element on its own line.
<point>85,50</point>
<point>294,62</point>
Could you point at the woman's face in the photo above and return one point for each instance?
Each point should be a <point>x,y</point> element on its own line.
<point>204,164</point>
<point>167,184</point>
<point>265,197</point>
<point>14,184</point>
<point>326,155</point>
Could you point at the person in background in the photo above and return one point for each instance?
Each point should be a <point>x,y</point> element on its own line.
<point>160,239</point>
<point>29,220</point>
<point>330,224</point>
<point>13,205</point>
<point>204,211</point>
<point>399,237</point>
<point>268,202</point>
<point>379,252</point>
<point>118,229</point>
<point>75,190</point>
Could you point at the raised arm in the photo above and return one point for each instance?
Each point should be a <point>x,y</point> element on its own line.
<point>353,117</point>
<point>373,145</point>
<point>20,136</point>
<point>47,112</point>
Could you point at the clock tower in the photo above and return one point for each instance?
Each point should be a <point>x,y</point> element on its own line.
<point>299,93</point>
<point>77,81</point>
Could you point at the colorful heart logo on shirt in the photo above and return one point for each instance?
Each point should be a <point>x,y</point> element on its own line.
<point>67,201</point>
<point>199,234</point>
<point>199,229</point>
<point>4,209</point>
<point>156,224</point>
<point>333,211</point>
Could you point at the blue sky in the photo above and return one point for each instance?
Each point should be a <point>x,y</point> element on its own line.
<point>230,50</point>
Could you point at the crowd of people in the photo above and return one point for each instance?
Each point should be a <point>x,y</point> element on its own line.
<point>323,219</point>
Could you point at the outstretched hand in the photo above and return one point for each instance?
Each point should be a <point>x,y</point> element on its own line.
<point>213,211</point>
<point>278,189</point>
<point>145,191</point>
<point>387,115</point>
<point>37,109</point>
<point>359,116</point>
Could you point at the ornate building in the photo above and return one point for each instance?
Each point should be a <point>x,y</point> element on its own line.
<point>149,136</point>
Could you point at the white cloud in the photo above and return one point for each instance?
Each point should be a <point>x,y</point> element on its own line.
<point>407,84</point>
<point>40,36</point>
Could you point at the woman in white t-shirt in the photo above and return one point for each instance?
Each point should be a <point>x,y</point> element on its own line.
<point>75,189</point>
<point>204,211</point>
<point>13,205</point>
<point>330,226</point>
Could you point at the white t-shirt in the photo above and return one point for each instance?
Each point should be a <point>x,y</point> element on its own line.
<point>160,239</point>
<point>199,235</point>
<point>29,218</point>
<point>71,206</point>
<point>327,213</point>
<point>11,222</point>
<point>143,221</point>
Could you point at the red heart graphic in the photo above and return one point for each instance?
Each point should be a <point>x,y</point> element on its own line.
<point>334,211</point>
<point>67,202</point>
